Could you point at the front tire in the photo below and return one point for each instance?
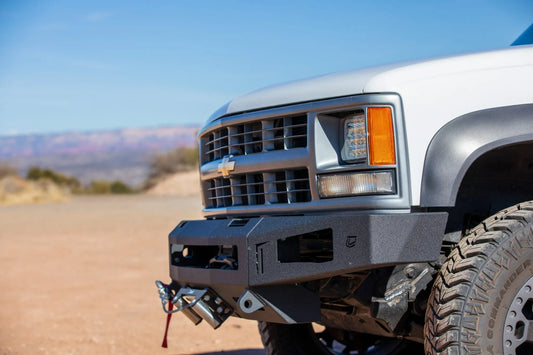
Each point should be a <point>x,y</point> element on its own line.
<point>301,339</point>
<point>481,301</point>
<point>285,339</point>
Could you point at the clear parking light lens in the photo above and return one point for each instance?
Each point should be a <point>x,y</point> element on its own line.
<point>355,142</point>
<point>349,184</point>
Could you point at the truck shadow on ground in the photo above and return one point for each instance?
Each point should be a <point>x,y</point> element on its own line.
<point>236,352</point>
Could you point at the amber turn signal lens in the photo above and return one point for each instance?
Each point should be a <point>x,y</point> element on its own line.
<point>381,136</point>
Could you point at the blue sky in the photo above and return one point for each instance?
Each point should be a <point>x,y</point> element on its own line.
<point>92,65</point>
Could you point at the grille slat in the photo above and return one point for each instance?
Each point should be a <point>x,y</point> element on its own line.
<point>257,194</point>
<point>264,140</point>
<point>237,135</point>
<point>270,188</point>
<point>264,135</point>
<point>283,186</point>
<point>260,183</point>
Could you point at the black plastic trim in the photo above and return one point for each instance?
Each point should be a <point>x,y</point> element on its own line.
<point>459,143</point>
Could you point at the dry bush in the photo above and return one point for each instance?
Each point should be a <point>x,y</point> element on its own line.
<point>35,173</point>
<point>7,170</point>
<point>177,160</point>
<point>15,191</point>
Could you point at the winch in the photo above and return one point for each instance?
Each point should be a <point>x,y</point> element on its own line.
<point>196,304</point>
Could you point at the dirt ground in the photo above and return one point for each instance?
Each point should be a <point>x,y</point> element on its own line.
<point>185,183</point>
<point>77,277</point>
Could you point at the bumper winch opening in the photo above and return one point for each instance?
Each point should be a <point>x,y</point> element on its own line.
<point>314,247</point>
<point>205,257</point>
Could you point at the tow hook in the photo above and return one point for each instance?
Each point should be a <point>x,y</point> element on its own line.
<point>196,304</point>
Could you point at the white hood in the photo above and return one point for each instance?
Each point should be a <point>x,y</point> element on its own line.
<point>317,88</point>
<point>368,80</point>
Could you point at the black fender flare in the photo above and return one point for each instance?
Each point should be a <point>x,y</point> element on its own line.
<point>461,141</point>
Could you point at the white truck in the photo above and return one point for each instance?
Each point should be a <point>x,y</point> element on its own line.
<point>386,206</point>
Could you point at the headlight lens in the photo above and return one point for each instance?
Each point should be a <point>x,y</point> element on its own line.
<point>354,146</point>
<point>349,184</point>
<point>371,135</point>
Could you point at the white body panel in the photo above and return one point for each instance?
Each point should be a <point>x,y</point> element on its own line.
<point>433,93</point>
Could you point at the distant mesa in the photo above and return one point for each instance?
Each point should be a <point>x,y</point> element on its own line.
<point>122,154</point>
<point>131,139</point>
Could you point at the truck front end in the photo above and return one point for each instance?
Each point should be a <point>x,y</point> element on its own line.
<point>305,204</point>
<point>324,205</point>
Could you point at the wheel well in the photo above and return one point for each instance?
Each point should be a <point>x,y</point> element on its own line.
<point>498,179</point>
<point>462,141</point>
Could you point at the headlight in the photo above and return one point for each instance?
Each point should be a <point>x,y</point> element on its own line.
<point>354,146</point>
<point>369,135</point>
<point>355,183</point>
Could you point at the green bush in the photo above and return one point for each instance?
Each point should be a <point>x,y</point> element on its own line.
<point>35,173</point>
<point>119,187</point>
<point>99,187</point>
<point>103,187</point>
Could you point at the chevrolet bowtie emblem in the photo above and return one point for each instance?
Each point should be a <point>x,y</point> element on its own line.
<point>226,166</point>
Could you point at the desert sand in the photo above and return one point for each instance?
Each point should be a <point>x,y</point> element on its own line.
<point>77,277</point>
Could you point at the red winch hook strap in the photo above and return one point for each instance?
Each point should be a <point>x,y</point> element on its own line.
<point>169,315</point>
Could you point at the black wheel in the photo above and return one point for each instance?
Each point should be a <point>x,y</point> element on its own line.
<point>482,299</point>
<point>300,339</point>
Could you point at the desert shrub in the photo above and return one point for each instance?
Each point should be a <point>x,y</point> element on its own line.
<point>120,187</point>
<point>103,187</point>
<point>35,173</point>
<point>7,170</point>
<point>14,190</point>
<point>99,187</point>
<point>179,159</point>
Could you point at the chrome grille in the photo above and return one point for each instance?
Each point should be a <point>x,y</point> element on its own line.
<point>283,186</point>
<point>255,137</point>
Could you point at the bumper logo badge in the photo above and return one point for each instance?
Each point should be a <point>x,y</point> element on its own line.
<point>226,166</point>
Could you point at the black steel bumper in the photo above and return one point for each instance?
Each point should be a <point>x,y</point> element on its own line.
<point>274,254</point>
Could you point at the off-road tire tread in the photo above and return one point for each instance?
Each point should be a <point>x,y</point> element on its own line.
<point>450,322</point>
